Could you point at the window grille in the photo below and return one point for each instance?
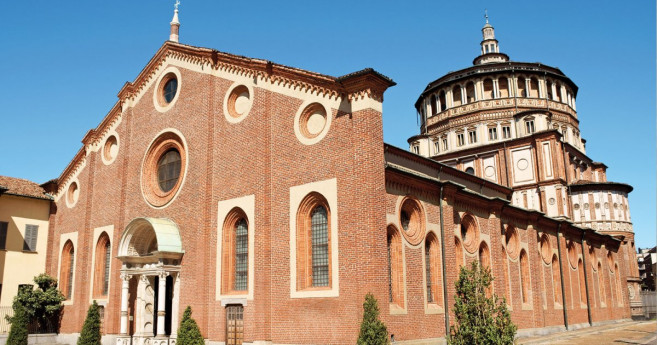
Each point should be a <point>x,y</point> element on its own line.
<point>107,268</point>
<point>427,264</point>
<point>319,238</point>
<point>69,286</point>
<point>389,270</point>
<point>241,255</point>
<point>168,170</point>
<point>170,89</point>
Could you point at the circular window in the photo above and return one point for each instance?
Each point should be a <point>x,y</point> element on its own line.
<point>411,220</point>
<point>312,123</point>
<point>606,205</point>
<point>167,89</point>
<point>469,233</point>
<point>551,201</point>
<point>470,170</point>
<point>597,205</point>
<point>163,169</point>
<point>72,194</point>
<point>586,206</point>
<point>572,254</point>
<point>512,242</point>
<point>546,249</point>
<point>110,149</point>
<point>238,102</point>
<point>576,206</point>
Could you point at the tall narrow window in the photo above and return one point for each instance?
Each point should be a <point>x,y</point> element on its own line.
<point>505,270</point>
<point>582,286</point>
<point>313,243</point>
<point>529,127</point>
<point>619,289</point>
<point>395,267</point>
<point>484,261</point>
<point>603,295</point>
<point>434,105</point>
<point>320,246</point>
<point>30,241</point>
<point>472,136</point>
<point>436,147</point>
<point>102,266</point>
<point>556,280</point>
<point>524,276</point>
<point>241,255</point>
<point>460,138</point>
<point>67,269</point>
<point>492,133</point>
<point>458,252</point>
<point>445,146</point>
<point>3,234</point>
<point>432,262</point>
<point>506,132</point>
<point>441,99</point>
<point>235,253</point>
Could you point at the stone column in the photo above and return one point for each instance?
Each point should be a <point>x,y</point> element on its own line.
<point>175,306</point>
<point>125,278</point>
<point>161,293</point>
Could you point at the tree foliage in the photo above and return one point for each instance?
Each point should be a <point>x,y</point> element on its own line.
<point>18,330</point>
<point>372,330</point>
<point>188,332</point>
<point>90,334</point>
<point>39,306</point>
<point>479,319</point>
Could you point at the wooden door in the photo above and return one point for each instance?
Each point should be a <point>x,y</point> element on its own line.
<point>234,324</point>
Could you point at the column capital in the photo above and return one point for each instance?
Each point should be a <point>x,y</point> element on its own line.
<point>125,276</point>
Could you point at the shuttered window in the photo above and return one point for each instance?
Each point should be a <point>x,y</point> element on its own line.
<point>3,234</point>
<point>31,232</point>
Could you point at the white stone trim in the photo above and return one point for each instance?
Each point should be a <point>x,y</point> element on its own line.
<point>227,115</point>
<point>329,119</point>
<point>247,205</point>
<point>77,193</point>
<point>63,238</point>
<point>101,147</point>
<point>109,229</point>
<point>329,190</point>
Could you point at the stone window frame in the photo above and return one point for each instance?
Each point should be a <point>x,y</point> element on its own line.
<point>233,92</point>
<point>164,141</point>
<point>158,91</point>
<point>72,238</point>
<point>102,264</point>
<point>228,251</point>
<point>226,209</point>
<point>105,150</point>
<point>304,231</point>
<point>97,233</point>
<point>413,208</point>
<point>72,193</point>
<point>396,271</point>
<point>300,206</point>
<point>301,119</point>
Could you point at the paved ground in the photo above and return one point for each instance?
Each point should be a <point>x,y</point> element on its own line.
<point>631,332</point>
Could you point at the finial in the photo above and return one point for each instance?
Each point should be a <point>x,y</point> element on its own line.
<point>176,5</point>
<point>485,11</point>
<point>175,24</point>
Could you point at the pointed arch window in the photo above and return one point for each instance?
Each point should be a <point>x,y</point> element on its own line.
<point>102,266</point>
<point>395,267</point>
<point>432,267</point>
<point>524,276</point>
<point>313,243</point>
<point>235,252</point>
<point>556,280</point>
<point>67,269</point>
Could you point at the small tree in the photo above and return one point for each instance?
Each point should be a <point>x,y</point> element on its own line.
<point>372,330</point>
<point>90,334</point>
<point>188,333</point>
<point>479,319</point>
<point>43,304</point>
<point>18,330</point>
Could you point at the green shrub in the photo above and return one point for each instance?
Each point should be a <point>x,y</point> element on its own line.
<point>18,330</point>
<point>188,332</point>
<point>90,334</point>
<point>372,330</point>
<point>479,319</point>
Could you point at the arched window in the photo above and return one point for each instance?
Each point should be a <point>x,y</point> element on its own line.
<point>395,267</point>
<point>533,88</point>
<point>66,270</point>
<point>235,252</point>
<point>619,286</point>
<point>488,89</point>
<point>524,276</point>
<point>556,280</point>
<point>432,263</point>
<point>102,266</point>
<point>313,243</point>
<point>503,84</point>
<point>434,105</point>
<point>470,92</point>
<point>441,98</point>
<point>582,285</point>
<point>458,252</point>
<point>601,279</point>
<point>557,92</point>
<point>505,270</point>
<point>549,86</point>
<point>522,88</point>
<point>484,261</point>
<point>456,95</point>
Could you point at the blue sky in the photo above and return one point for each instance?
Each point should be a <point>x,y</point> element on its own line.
<point>64,62</point>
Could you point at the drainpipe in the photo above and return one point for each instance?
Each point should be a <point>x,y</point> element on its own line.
<point>586,280</point>
<point>442,251</point>
<point>563,287</point>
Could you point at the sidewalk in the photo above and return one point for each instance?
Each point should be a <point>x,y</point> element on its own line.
<point>631,332</point>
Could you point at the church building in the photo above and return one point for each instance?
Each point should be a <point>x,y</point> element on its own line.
<point>264,197</point>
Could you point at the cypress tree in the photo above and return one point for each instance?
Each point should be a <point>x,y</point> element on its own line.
<point>480,319</point>
<point>90,334</point>
<point>188,332</point>
<point>372,330</point>
<point>19,323</point>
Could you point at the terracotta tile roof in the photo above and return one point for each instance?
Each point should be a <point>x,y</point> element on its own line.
<point>22,187</point>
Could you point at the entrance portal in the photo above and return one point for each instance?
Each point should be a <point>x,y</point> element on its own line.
<point>151,251</point>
